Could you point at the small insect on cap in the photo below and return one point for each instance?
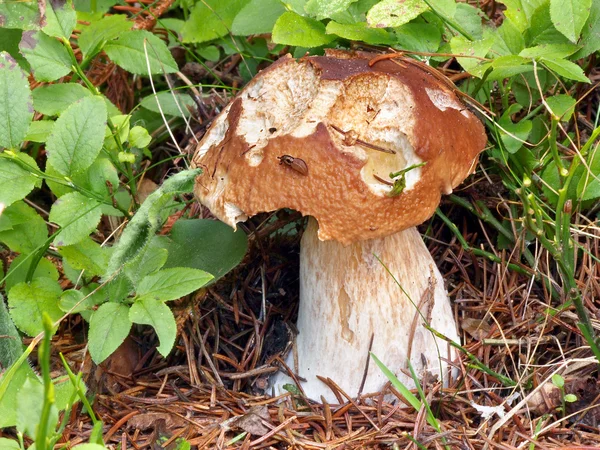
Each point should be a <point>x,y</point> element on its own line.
<point>366,150</point>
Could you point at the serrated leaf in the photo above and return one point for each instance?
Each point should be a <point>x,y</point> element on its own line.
<point>53,99</point>
<point>28,230</point>
<point>509,66</point>
<point>521,11</point>
<point>15,180</point>
<point>109,326</point>
<point>74,302</point>
<point>257,17</point>
<point>566,69</point>
<point>569,16</point>
<point>211,19</point>
<point>77,136</point>
<point>562,106</point>
<point>168,103</point>
<point>359,32</point>
<point>541,29</point>
<point>39,130</point>
<point>48,58</point>
<point>27,302</point>
<point>21,15</point>
<point>19,267</point>
<point>150,311</point>
<point>293,29</point>
<point>77,215</point>
<point>548,51</point>
<point>86,255</point>
<point>141,229</point>
<point>325,9</point>
<point>394,13</point>
<point>60,18</point>
<point>135,50</point>
<point>171,284</point>
<point>92,39</point>
<point>204,244</point>
<point>16,110</point>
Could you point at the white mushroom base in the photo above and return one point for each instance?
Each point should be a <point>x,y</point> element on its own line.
<point>347,295</point>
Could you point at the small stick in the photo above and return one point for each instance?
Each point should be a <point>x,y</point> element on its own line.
<point>363,143</point>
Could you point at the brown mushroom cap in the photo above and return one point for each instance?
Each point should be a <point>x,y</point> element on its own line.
<point>335,113</point>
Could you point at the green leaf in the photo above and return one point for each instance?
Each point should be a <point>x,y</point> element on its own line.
<point>521,11</point>
<point>325,9</point>
<point>204,244</point>
<point>53,99</point>
<point>109,326</point>
<point>60,18</point>
<point>87,255</point>
<point>89,447</point>
<point>22,15</point>
<point>77,136</point>
<point>75,302</point>
<point>509,66</point>
<point>394,13</point>
<point>39,131</point>
<point>168,103</point>
<point>20,266</point>
<point>463,46</point>
<point>28,230</point>
<point>48,58</point>
<point>293,29</point>
<point>16,181</point>
<point>92,39</point>
<point>27,302</point>
<point>569,16</point>
<point>153,259</point>
<point>171,284</point>
<point>8,444</point>
<point>359,32</point>
<point>590,35</point>
<point>29,409</point>
<point>211,19</point>
<point>257,17</point>
<point>139,137</point>
<point>419,37</point>
<point>150,311</point>
<point>11,346</point>
<point>558,380</point>
<point>142,227</point>
<point>469,19</point>
<point>566,69</point>
<point>542,30</point>
<point>401,388</point>
<point>570,398</point>
<point>588,187</point>
<point>142,53</point>
<point>562,106</point>
<point>16,110</point>
<point>77,215</point>
<point>515,132</point>
<point>548,51</point>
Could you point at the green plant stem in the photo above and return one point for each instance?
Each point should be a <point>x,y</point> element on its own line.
<point>76,380</point>
<point>483,212</point>
<point>41,440</point>
<point>477,251</point>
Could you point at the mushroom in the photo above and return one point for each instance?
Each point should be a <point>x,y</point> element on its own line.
<point>366,151</point>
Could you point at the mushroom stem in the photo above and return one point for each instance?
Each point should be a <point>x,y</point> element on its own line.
<point>349,294</point>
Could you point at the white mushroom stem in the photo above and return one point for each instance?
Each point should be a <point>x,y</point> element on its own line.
<point>348,294</point>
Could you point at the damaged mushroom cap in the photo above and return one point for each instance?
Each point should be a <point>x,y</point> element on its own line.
<point>322,134</point>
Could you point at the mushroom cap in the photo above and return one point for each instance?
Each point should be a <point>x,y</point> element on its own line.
<point>315,135</point>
